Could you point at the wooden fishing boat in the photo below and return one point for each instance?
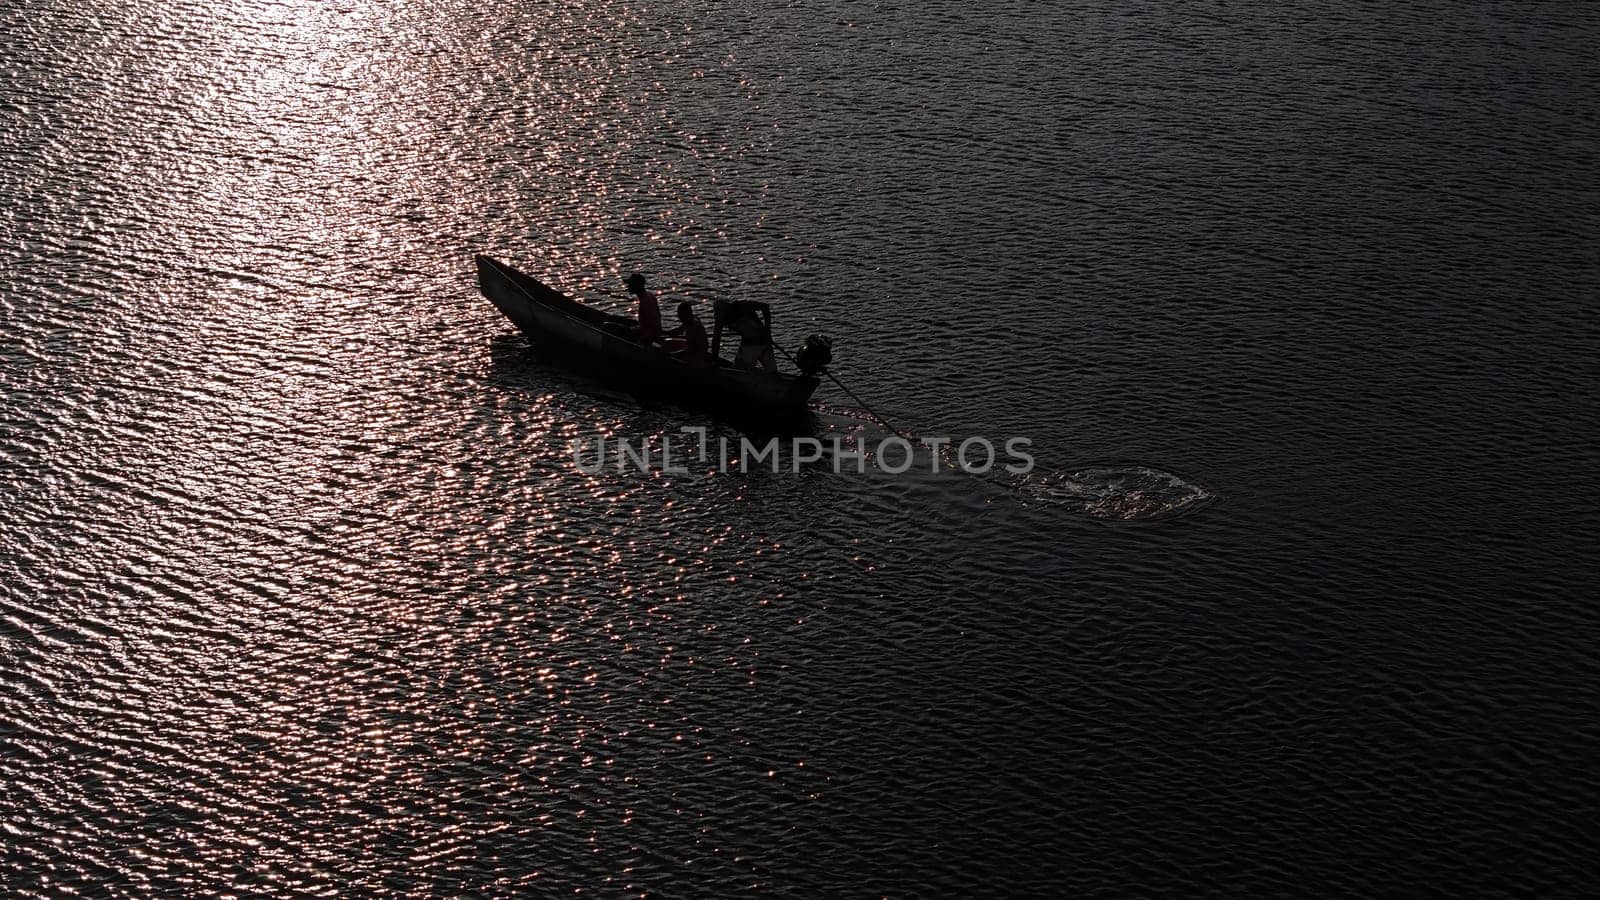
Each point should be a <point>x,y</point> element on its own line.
<point>603,345</point>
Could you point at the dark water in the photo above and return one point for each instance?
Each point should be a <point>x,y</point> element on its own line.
<point>300,591</point>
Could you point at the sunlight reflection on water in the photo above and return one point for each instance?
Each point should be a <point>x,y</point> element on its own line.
<point>300,592</point>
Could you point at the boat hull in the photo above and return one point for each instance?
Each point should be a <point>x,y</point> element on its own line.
<point>599,344</point>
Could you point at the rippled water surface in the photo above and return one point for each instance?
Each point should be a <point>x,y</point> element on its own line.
<point>300,591</point>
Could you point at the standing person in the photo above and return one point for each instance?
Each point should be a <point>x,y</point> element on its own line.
<point>689,338</point>
<point>649,310</point>
<point>744,318</point>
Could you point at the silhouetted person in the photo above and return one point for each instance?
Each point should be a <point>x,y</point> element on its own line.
<point>689,338</point>
<point>649,310</point>
<point>743,318</point>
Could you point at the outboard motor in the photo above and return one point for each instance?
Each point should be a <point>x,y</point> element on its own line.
<point>815,355</point>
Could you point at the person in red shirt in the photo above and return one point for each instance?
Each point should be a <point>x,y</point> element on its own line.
<point>649,310</point>
<point>689,342</point>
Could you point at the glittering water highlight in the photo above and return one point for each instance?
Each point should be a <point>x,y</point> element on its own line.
<point>300,594</point>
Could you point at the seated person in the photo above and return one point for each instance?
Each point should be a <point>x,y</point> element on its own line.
<point>649,311</point>
<point>743,318</point>
<point>688,341</point>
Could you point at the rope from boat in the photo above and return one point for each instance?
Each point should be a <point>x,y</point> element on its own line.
<point>843,387</point>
